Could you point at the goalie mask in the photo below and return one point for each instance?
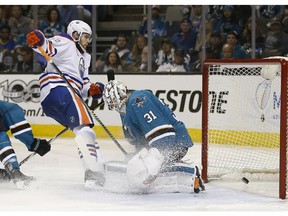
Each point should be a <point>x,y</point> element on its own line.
<point>80,27</point>
<point>115,95</point>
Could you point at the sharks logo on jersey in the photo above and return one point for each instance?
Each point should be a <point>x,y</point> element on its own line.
<point>139,101</point>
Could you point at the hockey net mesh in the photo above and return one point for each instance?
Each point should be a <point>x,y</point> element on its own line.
<point>243,118</point>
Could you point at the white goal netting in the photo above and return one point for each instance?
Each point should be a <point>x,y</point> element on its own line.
<point>243,118</point>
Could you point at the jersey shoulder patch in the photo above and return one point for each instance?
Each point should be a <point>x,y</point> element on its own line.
<point>139,98</point>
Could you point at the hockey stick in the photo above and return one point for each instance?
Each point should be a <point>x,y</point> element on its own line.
<point>50,141</point>
<point>48,58</point>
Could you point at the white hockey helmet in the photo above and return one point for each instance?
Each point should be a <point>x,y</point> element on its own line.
<point>80,27</point>
<point>115,95</point>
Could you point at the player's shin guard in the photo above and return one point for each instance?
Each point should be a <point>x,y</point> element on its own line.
<point>89,150</point>
<point>90,156</point>
<point>90,153</point>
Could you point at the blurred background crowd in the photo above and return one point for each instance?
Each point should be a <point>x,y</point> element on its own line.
<point>153,38</point>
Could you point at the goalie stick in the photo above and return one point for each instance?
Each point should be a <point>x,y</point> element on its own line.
<point>48,58</point>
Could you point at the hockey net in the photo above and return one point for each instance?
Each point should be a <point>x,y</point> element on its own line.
<point>244,119</point>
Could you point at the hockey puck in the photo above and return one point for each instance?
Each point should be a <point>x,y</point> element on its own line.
<point>245,180</point>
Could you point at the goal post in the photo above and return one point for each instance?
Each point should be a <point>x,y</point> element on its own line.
<point>244,118</point>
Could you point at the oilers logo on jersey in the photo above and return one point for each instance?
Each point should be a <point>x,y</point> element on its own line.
<point>81,66</point>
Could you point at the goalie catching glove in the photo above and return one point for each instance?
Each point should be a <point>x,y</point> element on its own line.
<point>35,38</point>
<point>40,146</point>
<point>145,165</point>
<point>96,90</point>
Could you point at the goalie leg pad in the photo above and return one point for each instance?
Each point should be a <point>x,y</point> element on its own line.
<point>144,164</point>
<point>176,177</point>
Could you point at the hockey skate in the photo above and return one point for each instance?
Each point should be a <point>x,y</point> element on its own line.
<point>94,179</point>
<point>198,182</point>
<point>4,176</point>
<point>19,179</point>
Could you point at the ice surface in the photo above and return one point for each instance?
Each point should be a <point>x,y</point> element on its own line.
<point>59,187</point>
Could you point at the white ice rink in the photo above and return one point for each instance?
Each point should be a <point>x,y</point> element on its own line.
<point>60,179</point>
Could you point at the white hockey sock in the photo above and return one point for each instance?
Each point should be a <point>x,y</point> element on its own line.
<point>89,149</point>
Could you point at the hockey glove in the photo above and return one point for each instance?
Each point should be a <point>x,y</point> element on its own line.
<point>4,176</point>
<point>40,146</point>
<point>35,38</point>
<point>96,90</point>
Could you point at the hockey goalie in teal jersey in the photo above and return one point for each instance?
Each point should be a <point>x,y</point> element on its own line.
<point>160,139</point>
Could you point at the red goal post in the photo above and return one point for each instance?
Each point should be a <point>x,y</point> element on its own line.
<point>244,118</point>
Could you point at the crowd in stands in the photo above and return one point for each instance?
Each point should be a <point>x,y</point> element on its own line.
<point>177,46</point>
<point>227,36</point>
<point>17,20</point>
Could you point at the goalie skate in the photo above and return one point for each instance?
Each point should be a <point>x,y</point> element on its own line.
<point>94,179</point>
<point>198,182</point>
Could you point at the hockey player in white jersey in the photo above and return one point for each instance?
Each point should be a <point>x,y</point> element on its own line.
<point>161,140</point>
<point>68,52</point>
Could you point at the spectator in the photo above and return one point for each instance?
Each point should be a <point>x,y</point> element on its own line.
<point>7,41</point>
<point>166,54</point>
<point>196,17</point>
<point>238,50</point>
<point>25,65</point>
<point>271,11</point>
<point>113,62</point>
<point>53,25</point>
<point>7,45</point>
<point>268,13</point>
<point>158,24</point>
<point>227,51</point>
<point>19,24</point>
<point>196,67</point>
<point>135,57</point>
<point>208,33</point>
<point>121,47</point>
<point>144,61</point>
<point>3,15</point>
<point>185,39</point>
<point>276,40</point>
<point>199,42</point>
<point>42,12</point>
<point>214,13</point>
<point>228,22</point>
<point>246,39</point>
<point>242,14</point>
<point>214,46</point>
<point>68,13</point>
<point>178,65</point>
